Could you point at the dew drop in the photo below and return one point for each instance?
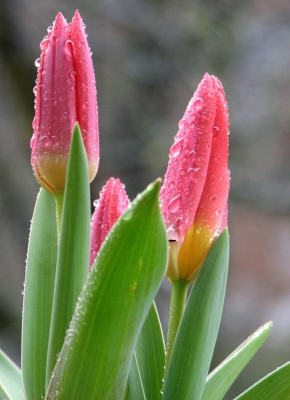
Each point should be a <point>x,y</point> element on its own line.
<point>73,75</point>
<point>84,108</point>
<point>178,222</point>
<point>172,233</point>
<point>181,124</point>
<point>37,62</point>
<point>34,123</point>
<point>32,142</point>
<point>215,131</point>
<point>44,44</point>
<point>175,148</point>
<point>198,104</point>
<point>182,172</point>
<point>192,155</point>
<point>192,172</point>
<point>53,141</point>
<point>174,204</point>
<point>45,141</point>
<point>186,191</point>
<point>68,48</point>
<point>186,150</point>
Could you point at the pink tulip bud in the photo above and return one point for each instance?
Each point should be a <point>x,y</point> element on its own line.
<point>111,205</point>
<point>195,191</point>
<point>65,93</point>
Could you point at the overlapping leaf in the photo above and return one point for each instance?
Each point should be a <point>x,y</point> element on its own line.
<point>96,357</point>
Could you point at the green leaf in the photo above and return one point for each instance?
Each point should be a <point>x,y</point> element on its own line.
<point>135,388</point>
<point>74,248</point>
<point>38,294</point>
<point>11,387</point>
<point>196,336</point>
<point>95,360</point>
<point>221,378</point>
<point>275,386</point>
<point>150,355</point>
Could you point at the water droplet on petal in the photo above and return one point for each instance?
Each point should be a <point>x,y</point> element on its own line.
<point>171,233</point>
<point>192,172</point>
<point>181,124</point>
<point>44,43</point>
<point>54,141</point>
<point>175,148</point>
<point>198,104</point>
<point>32,142</point>
<point>68,48</point>
<point>73,75</point>
<point>37,62</point>
<point>178,222</point>
<point>45,141</point>
<point>215,131</point>
<point>192,155</point>
<point>174,204</point>
<point>186,150</point>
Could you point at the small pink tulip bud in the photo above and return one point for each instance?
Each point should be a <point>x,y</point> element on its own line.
<point>65,93</point>
<point>112,203</point>
<point>195,191</point>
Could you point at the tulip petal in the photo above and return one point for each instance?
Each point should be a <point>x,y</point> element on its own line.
<point>87,112</point>
<point>111,205</point>
<point>216,189</point>
<point>188,161</point>
<point>65,93</point>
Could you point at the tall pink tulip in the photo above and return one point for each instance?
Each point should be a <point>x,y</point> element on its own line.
<point>65,93</point>
<point>195,191</point>
<point>112,203</point>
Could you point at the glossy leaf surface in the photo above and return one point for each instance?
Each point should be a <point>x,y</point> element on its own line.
<point>74,247</point>
<point>38,294</point>
<point>196,336</point>
<point>150,355</point>
<point>221,378</point>
<point>118,294</point>
<point>11,387</point>
<point>275,386</point>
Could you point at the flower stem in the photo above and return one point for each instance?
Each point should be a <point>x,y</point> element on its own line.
<point>59,204</point>
<point>177,304</point>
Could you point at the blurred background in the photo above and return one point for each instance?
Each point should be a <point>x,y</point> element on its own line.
<point>149,56</point>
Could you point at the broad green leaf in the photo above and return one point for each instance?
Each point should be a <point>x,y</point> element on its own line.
<point>38,294</point>
<point>150,355</point>
<point>95,360</point>
<point>11,387</point>
<point>196,336</point>
<point>275,386</point>
<point>74,247</point>
<point>221,378</point>
<point>135,388</point>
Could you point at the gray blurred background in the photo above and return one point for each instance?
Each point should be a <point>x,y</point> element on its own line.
<point>149,56</point>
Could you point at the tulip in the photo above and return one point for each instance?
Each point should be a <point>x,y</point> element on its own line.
<point>195,191</point>
<point>65,93</point>
<point>112,203</point>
